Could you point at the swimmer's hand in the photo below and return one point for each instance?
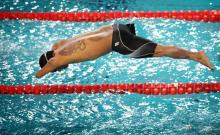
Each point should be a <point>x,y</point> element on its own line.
<point>49,67</point>
<point>38,75</point>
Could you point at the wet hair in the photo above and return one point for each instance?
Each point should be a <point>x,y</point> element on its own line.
<point>45,57</point>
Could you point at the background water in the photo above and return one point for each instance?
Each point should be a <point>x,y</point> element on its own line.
<point>109,5</point>
<point>22,42</point>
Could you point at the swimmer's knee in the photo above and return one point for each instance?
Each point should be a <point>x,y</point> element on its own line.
<point>162,50</point>
<point>94,57</point>
<point>159,51</point>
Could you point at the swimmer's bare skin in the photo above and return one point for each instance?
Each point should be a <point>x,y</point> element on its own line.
<point>84,47</point>
<point>179,53</point>
<point>91,45</point>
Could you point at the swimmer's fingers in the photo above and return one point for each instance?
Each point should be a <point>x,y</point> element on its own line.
<point>45,70</point>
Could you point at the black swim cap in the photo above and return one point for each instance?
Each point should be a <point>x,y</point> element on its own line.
<point>44,58</point>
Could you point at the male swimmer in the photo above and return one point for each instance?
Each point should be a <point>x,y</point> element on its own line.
<point>119,38</point>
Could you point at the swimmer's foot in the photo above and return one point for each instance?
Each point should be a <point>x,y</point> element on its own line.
<point>204,60</point>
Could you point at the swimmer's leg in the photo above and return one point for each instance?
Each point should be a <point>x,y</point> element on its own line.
<point>179,53</point>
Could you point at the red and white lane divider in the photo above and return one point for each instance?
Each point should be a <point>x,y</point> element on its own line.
<point>203,15</point>
<point>145,88</point>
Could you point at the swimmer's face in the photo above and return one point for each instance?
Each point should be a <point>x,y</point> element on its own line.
<point>44,58</point>
<point>60,68</point>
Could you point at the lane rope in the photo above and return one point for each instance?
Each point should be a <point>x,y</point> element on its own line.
<point>146,88</point>
<point>203,15</point>
<point>140,88</point>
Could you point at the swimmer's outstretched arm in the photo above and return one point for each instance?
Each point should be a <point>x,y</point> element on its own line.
<point>49,67</point>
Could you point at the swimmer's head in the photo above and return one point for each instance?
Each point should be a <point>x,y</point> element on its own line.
<point>45,57</point>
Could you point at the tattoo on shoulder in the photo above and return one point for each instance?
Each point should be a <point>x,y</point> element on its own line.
<point>79,46</point>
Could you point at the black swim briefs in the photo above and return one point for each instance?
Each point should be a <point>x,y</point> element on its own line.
<point>125,41</point>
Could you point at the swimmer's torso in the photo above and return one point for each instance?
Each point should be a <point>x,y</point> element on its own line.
<point>84,47</point>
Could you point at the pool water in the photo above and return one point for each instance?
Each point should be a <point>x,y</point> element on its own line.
<point>22,42</point>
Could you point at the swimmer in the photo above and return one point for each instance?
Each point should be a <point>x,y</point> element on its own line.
<point>119,38</point>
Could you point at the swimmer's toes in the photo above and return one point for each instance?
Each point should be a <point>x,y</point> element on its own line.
<point>205,61</point>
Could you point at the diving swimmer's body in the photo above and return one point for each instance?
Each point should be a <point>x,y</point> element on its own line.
<point>118,37</point>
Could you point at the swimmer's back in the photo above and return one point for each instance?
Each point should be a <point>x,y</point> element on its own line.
<point>87,46</point>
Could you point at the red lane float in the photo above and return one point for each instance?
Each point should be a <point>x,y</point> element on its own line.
<point>145,88</point>
<point>204,15</point>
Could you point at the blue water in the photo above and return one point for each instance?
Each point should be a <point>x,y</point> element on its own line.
<point>109,5</point>
<point>22,42</point>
